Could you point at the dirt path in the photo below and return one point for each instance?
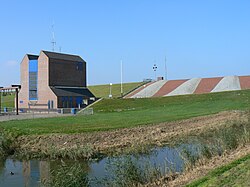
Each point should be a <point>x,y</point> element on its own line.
<point>118,140</point>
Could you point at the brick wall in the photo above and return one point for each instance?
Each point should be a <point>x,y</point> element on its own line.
<point>44,92</point>
<point>24,92</point>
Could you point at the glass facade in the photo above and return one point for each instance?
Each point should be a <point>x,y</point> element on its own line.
<point>79,66</point>
<point>33,69</point>
<point>70,102</point>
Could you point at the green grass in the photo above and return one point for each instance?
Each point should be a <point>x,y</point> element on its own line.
<point>234,174</point>
<point>102,91</point>
<point>120,113</point>
<point>8,101</point>
<point>208,103</point>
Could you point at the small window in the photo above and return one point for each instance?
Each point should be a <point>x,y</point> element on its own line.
<point>79,66</point>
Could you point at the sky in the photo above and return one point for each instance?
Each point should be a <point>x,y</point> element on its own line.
<point>207,38</point>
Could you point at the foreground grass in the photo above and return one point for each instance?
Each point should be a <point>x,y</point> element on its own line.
<point>102,91</point>
<point>121,113</point>
<point>234,174</point>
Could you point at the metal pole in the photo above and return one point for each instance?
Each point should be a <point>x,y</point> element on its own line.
<point>110,90</point>
<point>121,81</point>
<point>0,101</point>
<point>155,68</point>
<point>17,101</point>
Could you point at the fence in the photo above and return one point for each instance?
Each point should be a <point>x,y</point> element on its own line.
<point>86,111</point>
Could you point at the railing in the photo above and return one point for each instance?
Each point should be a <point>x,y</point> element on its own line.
<point>12,111</point>
<point>87,111</point>
<point>7,111</point>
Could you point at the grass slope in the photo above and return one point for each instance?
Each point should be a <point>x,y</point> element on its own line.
<point>103,90</point>
<point>120,113</point>
<point>234,174</point>
<point>179,105</point>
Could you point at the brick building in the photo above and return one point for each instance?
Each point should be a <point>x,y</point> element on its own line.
<point>53,80</point>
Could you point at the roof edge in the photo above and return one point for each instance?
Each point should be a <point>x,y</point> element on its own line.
<point>32,57</point>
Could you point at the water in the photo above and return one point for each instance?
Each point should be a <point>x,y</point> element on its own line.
<point>33,173</point>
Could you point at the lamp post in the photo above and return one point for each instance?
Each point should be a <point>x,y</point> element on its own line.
<point>110,90</point>
<point>0,100</point>
<point>144,86</point>
<point>155,68</point>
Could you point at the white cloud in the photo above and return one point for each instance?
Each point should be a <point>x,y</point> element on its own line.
<point>11,63</point>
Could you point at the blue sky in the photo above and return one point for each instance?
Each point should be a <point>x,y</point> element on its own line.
<point>205,38</point>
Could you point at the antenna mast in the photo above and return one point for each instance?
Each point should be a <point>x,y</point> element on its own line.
<point>165,68</point>
<point>53,40</point>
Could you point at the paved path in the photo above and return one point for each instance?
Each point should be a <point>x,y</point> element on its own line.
<point>150,90</point>
<point>187,87</point>
<point>207,85</point>
<point>169,87</point>
<point>228,83</point>
<point>31,116</point>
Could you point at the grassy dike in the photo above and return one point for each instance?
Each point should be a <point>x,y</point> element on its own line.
<point>103,91</point>
<point>234,174</point>
<point>111,114</point>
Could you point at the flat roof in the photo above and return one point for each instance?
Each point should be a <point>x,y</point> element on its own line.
<point>72,92</point>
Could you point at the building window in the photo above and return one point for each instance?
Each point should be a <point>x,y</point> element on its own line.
<point>79,66</point>
<point>33,69</point>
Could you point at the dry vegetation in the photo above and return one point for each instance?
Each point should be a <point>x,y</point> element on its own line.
<point>129,139</point>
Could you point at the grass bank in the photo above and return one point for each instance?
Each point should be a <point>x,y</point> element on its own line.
<point>103,91</point>
<point>234,174</point>
<point>112,114</point>
<point>195,150</point>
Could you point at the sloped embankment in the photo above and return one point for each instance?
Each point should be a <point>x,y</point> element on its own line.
<point>87,145</point>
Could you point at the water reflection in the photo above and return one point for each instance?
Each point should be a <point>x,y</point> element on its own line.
<point>44,169</point>
<point>38,173</point>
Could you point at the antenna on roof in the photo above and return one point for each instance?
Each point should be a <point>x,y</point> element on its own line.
<point>53,40</point>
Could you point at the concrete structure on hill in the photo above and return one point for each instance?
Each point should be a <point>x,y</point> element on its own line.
<point>191,86</point>
<point>53,80</point>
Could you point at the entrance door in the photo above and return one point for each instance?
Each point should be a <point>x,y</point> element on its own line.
<point>79,101</point>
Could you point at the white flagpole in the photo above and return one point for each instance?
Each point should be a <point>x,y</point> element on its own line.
<point>121,80</point>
